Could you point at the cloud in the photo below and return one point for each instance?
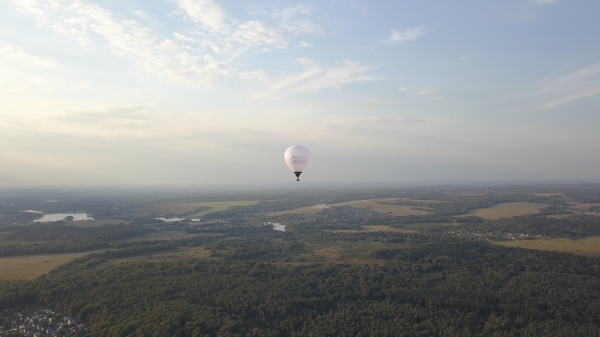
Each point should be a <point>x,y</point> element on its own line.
<point>140,13</point>
<point>292,12</point>
<point>255,33</point>
<point>558,90</point>
<point>410,34</point>
<point>463,58</point>
<point>255,76</point>
<point>206,12</point>
<point>402,89</point>
<point>91,24</point>
<point>26,58</point>
<point>204,54</point>
<point>541,2</point>
<point>123,115</point>
<point>305,45</point>
<point>315,77</point>
<point>427,91</point>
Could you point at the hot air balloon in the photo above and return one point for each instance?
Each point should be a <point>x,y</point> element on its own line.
<point>297,158</point>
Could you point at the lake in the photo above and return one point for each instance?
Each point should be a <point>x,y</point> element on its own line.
<point>62,216</point>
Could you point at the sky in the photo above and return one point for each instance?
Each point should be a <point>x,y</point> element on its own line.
<point>196,92</point>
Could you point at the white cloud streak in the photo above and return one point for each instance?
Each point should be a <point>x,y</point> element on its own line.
<point>206,12</point>
<point>427,91</point>
<point>570,87</point>
<point>410,34</point>
<point>183,58</point>
<point>541,2</point>
<point>315,77</point>
<point>27,59</point>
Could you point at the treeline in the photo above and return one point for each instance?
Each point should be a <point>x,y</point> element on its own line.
<point>458,204</point>
<point>574,226</point>
<point>52,239</point>
<point>72,233</point>
<point>443,289</point>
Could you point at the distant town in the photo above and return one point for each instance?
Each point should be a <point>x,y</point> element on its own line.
<point>39,321</point>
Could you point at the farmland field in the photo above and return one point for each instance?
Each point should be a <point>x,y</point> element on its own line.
<point>31,266</point>
<point>508,209</point>
<point>587,246</point>
<point>169,209</point>
<point>218,206</point>
<point>582,206</point>
<point>376,205</point>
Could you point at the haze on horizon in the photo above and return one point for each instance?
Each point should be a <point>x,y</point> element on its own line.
<point>209,92</point>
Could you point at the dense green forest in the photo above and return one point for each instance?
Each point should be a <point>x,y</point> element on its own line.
<point>61,238</point>
<point>331,273</point>
<point>439,289</point>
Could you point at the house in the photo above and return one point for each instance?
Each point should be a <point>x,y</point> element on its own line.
<point>14,323</point>
<point>72,321</point>
<point>49,330</point>
<point>37,334</point>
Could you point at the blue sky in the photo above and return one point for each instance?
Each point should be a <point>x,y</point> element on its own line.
<point>202,91</point>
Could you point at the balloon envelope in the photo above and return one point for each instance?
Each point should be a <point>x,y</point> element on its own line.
<point>297,157</point>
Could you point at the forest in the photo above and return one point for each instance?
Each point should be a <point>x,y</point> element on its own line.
<point>338,270</point>
<point>438,289</point>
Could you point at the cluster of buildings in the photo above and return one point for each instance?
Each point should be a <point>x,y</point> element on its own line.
<point>42,323</point>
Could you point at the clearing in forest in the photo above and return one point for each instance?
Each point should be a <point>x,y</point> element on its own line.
<point>377,205</point>
<point>179,209</point>
<point>218,206</point>
<point>29,267</point>
<point>587,246</point>
<point>507,210</point>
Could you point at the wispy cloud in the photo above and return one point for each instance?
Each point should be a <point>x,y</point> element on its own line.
<point>316,77</point>
<point>558,90</point>
<point>140,13</point>
<point>410,34</point>
<point>122,114</point>
<point>427,91</point>
<point>26,58</point>
<point>205,12</point>
<point>202,55</point>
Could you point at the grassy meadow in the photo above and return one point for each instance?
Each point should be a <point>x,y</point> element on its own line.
<point>508,209</point>
<point>377,205</point>
<point>29,267</point>
<point>178,208</point>
<point>588,246</point>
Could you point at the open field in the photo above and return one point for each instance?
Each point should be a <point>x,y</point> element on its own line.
<point>374,205</point>
<point>356,253</point>
<point>507,210</point>
<point>548,194</point>
<point>179,253</point>
<point>169,209</point>
<point>371,228</point>
<point>94,223</point>
<point>316,208</point>
<point>221,206</point>
<point>31,266</point>
<point>587,246</point>
<point>161,235</point>
<point>582,206</point>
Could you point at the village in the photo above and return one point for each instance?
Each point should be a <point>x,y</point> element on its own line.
<point>38,322</point>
